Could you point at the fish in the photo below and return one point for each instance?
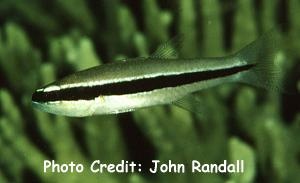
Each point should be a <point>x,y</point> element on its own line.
<point>157,80</point>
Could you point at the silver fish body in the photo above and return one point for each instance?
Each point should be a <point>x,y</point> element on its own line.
<point>122,87</point>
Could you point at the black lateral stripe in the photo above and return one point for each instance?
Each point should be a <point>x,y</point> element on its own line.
<point>134,86</point>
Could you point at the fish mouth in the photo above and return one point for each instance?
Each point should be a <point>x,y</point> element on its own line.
<point>39,104</point>
<point>34,100</point>
<point>35,97</point>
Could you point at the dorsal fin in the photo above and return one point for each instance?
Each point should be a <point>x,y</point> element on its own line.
<point>169,49</point>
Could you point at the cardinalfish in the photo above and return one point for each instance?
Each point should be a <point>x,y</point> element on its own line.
<point>156,80</point>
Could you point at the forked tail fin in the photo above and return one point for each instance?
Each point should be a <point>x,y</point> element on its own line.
<point>263,54</point>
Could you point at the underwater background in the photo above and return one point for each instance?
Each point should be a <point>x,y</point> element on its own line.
<point>41,41</point>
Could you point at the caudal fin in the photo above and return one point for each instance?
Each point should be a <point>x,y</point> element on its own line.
<point>263,54</point>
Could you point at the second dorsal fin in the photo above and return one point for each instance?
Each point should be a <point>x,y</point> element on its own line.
<point>169,49</point>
